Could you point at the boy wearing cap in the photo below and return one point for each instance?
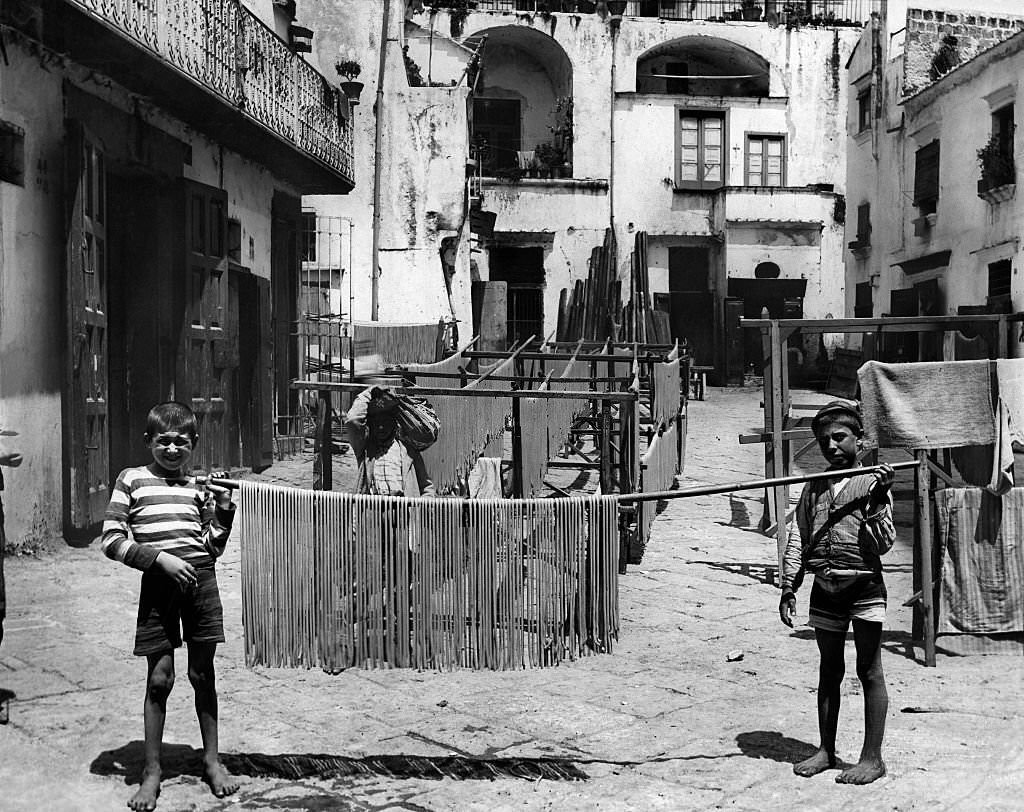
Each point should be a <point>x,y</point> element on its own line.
<point>842,528</point>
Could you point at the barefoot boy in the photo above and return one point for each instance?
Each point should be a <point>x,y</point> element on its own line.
<point>842,528</point>
<point>162,522</point>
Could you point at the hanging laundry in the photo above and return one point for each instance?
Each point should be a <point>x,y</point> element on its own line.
<point>980,546</point>
<point>941,404</point>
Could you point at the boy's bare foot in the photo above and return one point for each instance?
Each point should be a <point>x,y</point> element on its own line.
<point>817,763</point>
<point>144,799</point>
<point>221,782</point>
<point>863,772</point>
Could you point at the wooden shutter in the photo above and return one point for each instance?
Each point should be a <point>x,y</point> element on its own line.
<point>208,350</point>
<point>86,407</point>
<point>864,224</point>
<point>926,173</point>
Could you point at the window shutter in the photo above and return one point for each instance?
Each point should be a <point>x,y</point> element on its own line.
<point>926,173</point>
<point>864,224</point>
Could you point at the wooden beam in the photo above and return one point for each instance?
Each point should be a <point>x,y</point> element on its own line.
<point>420,391</point>
<point>924,535</point>
<point>889,324</point>
<point>767,435</point>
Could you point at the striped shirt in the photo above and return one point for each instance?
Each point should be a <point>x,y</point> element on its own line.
<point>148,515</point>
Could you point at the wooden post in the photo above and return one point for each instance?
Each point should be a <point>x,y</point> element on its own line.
<point>604,423</point>
<point>517,451</point>
<point>780,494</point>
<point>766,376</point>
<point>324,442</point>
<point>1002,338</point>
<point>924,535</point>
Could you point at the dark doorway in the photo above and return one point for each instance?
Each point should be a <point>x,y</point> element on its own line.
<point>522,269</point>
<point>497,130</point>
<point>691,302</point>
<point>783,299</point>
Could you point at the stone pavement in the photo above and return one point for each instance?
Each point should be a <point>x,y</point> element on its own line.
<point>664,722</point>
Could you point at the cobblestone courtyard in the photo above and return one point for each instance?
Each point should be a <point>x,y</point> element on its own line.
<point>664,722</point>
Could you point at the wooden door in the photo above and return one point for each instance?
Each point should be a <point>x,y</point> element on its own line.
<point>86,406</point>
<point>208,350</point>
<point>255,374</point>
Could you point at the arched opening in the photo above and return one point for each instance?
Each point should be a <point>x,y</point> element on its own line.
<point>522,109</point>
<point>702,66</point>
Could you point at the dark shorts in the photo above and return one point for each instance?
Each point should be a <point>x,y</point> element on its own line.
<point>169,614</point>
<point>835,602</point>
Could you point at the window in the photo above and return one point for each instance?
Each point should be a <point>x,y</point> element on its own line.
<point>864,110</point>
<point>701,150</point>
<point>12,154</point>
<point>926,178</point>
<point>864,225</point>
<point>309,236</point>
<point>497,131</point>
<point>766,161</point>
<point>999,278</point>
<point>1002,129</point>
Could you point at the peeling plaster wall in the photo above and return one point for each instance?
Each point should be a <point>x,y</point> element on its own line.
<point>978,232</point>
<point>31,277</point>
<point>954,110</point>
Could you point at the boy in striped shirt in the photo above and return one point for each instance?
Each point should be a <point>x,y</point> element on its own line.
<point>161,521</point>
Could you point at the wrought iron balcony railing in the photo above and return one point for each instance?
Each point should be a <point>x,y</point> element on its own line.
<point>788,12</point>
<point>228,50</point>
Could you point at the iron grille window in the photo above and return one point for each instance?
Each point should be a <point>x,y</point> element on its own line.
<point>926,178</point>
<point>701,150</point>
<point>766,160</point>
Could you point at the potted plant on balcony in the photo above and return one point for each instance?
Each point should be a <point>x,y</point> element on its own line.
<point>549,159</point>
<point>350,69</point>
<point>562,132</point>
<point>996,163</point>
<point>750,10</point>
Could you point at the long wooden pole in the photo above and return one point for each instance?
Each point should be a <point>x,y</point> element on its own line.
<point>708,490</point>
<point>704,490</point>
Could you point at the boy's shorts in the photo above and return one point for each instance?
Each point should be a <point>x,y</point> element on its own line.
<point>836,601</point>
<point>168,613</point>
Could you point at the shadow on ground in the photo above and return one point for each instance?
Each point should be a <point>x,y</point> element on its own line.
<point>180,759</point>
<point>772,744</point>
<point>894,642</point>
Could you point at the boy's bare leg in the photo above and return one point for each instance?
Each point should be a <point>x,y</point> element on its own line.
<point>159,681</point>
<point>830,679</point>
<point>868,639</point>
<point>203,679</point>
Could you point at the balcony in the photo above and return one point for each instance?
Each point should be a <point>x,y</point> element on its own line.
<point>783,12</point>
<point>218,68</point>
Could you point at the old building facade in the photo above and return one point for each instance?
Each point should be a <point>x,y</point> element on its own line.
<point>153,161</point>
<point>717,131</point>
<point>934,222</point>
